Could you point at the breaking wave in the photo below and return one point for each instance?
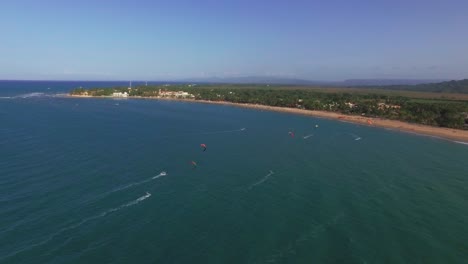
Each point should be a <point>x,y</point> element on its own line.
<point>30,95</point>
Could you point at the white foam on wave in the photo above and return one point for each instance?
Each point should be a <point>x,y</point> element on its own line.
<point>308,136</point>
<point>262,180</point>
<point>84,221</point>
<point>30,95</point>
<point>461,142</point>
<point>34,95</point>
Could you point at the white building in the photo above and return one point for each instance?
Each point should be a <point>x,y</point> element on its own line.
<point>179,94</point>
<point>119,94</point>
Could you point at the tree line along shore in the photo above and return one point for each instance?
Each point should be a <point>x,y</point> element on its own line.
<point>433,109</point>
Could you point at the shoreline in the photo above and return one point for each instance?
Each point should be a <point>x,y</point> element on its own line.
<point>457,135</point>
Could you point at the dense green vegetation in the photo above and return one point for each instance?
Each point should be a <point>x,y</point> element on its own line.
<point>423,109</point>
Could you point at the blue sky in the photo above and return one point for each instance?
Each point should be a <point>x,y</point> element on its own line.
<point>168,40</point>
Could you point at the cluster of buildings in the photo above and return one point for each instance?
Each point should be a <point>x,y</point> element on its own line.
<point>380,106</point>
<point>120,94</point>
<point>171,94</point>
<point>160,94</point>
<point>383,106</point>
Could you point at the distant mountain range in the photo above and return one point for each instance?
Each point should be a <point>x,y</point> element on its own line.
<point>257,80</point>
<point>294,81</point>
<point>387,82</point>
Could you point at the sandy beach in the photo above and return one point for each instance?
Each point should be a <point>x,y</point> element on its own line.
<point>441,132</point>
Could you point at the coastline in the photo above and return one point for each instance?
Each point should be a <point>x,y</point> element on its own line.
<point>457,135</point>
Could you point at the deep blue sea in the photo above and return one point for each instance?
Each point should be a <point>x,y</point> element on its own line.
<point>81,182</point>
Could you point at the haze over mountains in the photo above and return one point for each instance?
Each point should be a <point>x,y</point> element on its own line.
<point>295,81</point>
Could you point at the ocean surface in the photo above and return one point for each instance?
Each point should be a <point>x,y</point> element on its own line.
<point>81,182</point>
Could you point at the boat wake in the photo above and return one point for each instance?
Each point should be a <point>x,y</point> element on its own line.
<point>356,137</point>
<point>82,222</point>
<point>118,189</point>
<point>308,136</point>
<point>162,174</point>
<point>262,180</point>
<point>142,198</point>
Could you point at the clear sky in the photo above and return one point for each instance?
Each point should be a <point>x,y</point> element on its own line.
<point>173,39</point>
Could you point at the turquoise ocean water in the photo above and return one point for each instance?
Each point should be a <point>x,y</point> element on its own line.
<point>80,183</point>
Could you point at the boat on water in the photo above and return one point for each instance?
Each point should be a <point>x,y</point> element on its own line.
<point>163,173</point>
